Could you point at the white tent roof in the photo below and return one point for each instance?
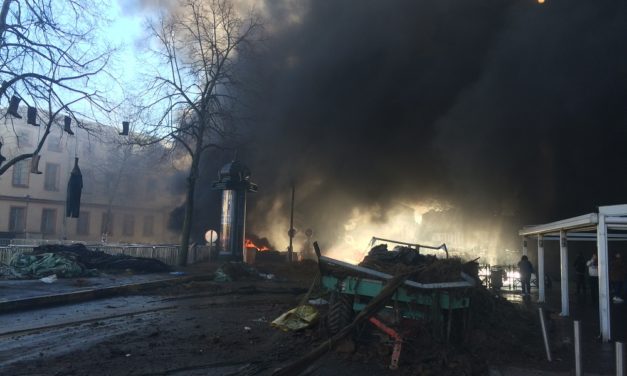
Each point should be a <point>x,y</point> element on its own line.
<point>597,225</point>
<point>616,218</point>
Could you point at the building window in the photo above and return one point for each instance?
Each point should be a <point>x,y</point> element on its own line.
<point>151,189</point>
<point>54,144</point>
<point>149,224</point>
<point>107,224</point>
<point>21,174</point>
<point>17,219</point>
<point>82,225</point>
<point>48,221</point>
<point>129,225</point>
<point>51,182</point>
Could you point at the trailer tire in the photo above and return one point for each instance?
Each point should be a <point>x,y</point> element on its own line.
<point>340,312</point>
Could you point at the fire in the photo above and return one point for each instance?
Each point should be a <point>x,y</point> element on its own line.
<point>249,244</point>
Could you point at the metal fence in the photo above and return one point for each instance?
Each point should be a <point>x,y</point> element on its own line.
<point>165,253</point>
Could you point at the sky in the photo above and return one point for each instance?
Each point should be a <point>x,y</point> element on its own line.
<point>126,31</point>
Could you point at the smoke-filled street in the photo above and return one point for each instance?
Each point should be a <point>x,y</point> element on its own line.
<point>310,187</point>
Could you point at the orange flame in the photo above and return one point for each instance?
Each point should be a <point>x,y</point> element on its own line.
<point>249,244</point>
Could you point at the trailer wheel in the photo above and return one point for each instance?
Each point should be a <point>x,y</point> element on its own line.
<point>340,312</point>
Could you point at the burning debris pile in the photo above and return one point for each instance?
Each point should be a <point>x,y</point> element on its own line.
<point>444,337</point>
<point>430,268</point>
<point>76,260</point>
<point>264,251</point>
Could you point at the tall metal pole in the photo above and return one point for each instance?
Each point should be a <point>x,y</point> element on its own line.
<point>578,371</point>
<point>620,364</point>
<point>564,272</point>
<point>604,288</point>
<point>540,276</point>
<point>291,232</point>
<point>545,335</point>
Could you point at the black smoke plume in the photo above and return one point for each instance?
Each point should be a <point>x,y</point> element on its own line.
<point>511,110</point>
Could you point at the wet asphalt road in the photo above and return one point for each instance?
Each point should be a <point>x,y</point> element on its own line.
<point>227,333</point>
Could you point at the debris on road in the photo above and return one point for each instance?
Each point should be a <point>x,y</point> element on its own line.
<point>297,318</point>
<point>236,271</point>
<point>318,302</point>
<point>444,325</point>
<point>49,279</point>
<point>180,339</point>
<point>70,261</point>
<point>30,265</point>
<point>431,269</point>
<point>371,309</point>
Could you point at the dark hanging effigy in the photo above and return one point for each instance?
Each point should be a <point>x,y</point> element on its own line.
<point>74,188</point>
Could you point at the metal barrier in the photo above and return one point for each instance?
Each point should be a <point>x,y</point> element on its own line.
<point>36,242</point>
<point>165,253</point>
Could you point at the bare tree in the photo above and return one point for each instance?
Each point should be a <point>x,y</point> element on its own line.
<point>125,171</point>
<point>48,55</point>
<point>190,100</point>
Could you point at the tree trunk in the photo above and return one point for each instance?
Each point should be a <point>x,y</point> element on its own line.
<point>189,209</point>
<point>4,12</point>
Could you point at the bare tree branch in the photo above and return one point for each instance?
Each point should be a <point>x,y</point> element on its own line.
<point>48,56</point>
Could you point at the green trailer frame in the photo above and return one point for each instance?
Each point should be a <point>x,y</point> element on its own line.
<point>412,300</point>
<point>410,303</point>
<point>436,303</point>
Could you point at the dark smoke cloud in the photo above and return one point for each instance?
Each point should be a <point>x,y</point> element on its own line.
<point>545,123</point>
<point>500,108</point>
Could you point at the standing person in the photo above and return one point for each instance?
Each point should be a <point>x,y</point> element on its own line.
<point>617,278</point>
<point>580,273</point>
<point>593,273</point>
<point>525,269</point>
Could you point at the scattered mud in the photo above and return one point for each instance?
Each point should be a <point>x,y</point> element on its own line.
<point>223,328</point>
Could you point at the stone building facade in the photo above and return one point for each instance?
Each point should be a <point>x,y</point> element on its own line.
<point>125,197</point>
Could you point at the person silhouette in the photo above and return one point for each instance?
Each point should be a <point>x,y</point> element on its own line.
<point>525,269</point>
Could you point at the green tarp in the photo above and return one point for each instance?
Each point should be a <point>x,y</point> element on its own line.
<point>45,264</point>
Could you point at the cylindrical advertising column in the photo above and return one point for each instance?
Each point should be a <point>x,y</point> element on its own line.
<point>234,182</point>
<point>239,226</point>
<point>226,221</point>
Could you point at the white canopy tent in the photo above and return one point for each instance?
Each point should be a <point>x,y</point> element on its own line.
<point>608,218</point>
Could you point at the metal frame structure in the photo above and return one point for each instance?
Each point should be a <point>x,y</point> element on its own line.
<point>416,246</point>
<point>612,217</point>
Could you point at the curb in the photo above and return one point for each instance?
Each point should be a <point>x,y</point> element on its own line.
<point>92,294</point>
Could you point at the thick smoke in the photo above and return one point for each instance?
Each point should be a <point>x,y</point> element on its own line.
<point>509,112</point>
<point>465,117</point>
